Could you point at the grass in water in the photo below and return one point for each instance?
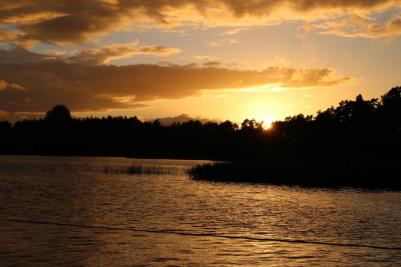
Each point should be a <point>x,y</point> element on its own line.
<point>136,170</point>
<point>369,174</point>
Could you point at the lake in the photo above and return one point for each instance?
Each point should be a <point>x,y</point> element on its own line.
<point>67,211</point>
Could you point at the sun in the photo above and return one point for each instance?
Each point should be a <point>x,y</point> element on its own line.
<point>267,124</point>
<point>266,121</point>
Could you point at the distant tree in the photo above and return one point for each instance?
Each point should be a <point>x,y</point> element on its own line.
<point>356,112</point>
<point>392,98</point>
<point>353,128</point>
<point>156,123</point>
<point>228,125</point>
<point>295,129</point>
<point>59,113</point>
<point>326,118</point>
<point>390,116</point>
<point>251,124</point>
<point>391,105</point>
<point>5,125</point>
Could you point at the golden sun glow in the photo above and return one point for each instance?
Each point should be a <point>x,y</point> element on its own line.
<point>213,60</point>
<point>267,124</point>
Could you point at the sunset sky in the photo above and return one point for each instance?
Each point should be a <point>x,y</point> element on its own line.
<point>214,59</point>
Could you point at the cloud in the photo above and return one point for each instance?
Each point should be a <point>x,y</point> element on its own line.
<point>59,21</point>
<point>105,54</point>
<point>7,36</point>
<point>221,42</point>
<point>211,64</point>
<point>16,116</point>
<point>19,55</point>
<point>206,58</point>
<point>208,61</point>
<point>4,115</point>
<point>233,31</point>
<point>89,87</point>
<point>97,55</point>
<point>357,26</point>
<point>75,21</point>
<point>10,86</point>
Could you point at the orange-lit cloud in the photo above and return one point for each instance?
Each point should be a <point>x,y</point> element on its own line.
<point>7,36</point>
<point>74,21</point>
<point>9,86</point>
<point>47,81</point>
<point>233,31</point>
<point>105,54</point>
<point>358,26</point>
<point>223,41</point>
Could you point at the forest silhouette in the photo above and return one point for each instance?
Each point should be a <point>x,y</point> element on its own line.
<point>355,144</point>
<point>354,129</point>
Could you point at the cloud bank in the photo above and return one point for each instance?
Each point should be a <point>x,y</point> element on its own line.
<point>359,26</point>
<point>75,21</point>
<point>105,54</point>
<point>33,82</point>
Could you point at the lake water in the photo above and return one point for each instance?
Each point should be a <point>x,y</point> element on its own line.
<point>66,211</point>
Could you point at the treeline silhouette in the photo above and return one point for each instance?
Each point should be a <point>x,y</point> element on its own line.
<point>354,129</point>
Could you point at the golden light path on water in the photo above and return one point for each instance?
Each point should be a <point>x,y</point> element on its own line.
<point>76,214</point>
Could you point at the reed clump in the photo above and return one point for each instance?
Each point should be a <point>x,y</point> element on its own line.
<point>136,170</point>
<point>369,174</point>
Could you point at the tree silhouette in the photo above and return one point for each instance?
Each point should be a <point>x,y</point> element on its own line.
<point>59,113</point>
<point>391,108</point>
<point>352,129</point>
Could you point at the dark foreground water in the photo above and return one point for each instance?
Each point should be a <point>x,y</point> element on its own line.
<point>65,211</point>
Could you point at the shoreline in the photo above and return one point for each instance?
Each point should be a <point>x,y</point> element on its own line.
<point>373,173</point>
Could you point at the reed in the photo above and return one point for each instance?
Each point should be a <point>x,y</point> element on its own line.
<point>369,174</point>
<point>136,170</point>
